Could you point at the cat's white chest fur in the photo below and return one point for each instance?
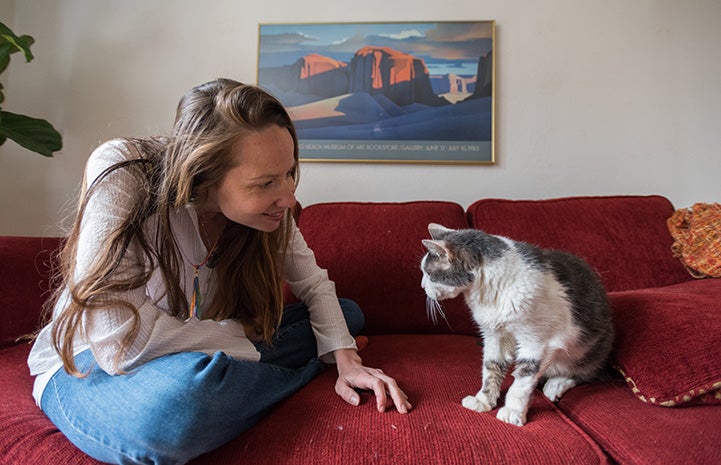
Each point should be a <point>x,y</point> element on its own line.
<point>530,305</point>
<point>504,291</point>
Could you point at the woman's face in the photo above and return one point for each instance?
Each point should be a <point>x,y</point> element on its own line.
<point>259,188</point>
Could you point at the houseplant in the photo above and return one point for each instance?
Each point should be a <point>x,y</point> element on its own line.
<point>34,134</point>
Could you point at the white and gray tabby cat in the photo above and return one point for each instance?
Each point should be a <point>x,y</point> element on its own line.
<point>543,311</point>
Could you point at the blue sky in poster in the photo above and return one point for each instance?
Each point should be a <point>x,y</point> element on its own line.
<point>446,47</point>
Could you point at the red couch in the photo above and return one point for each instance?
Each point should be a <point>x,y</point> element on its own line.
<point>668,335</point>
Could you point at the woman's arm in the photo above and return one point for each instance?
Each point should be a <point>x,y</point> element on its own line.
<point>311,284</point>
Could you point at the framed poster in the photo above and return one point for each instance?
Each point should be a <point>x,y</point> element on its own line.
<point>406,92</point>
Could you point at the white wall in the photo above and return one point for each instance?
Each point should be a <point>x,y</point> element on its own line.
<point>593,97</point>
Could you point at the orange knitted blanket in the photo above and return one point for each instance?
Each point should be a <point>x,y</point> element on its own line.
<point>697,238</point>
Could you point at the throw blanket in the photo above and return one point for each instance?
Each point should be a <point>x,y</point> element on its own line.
<point>697,239</point>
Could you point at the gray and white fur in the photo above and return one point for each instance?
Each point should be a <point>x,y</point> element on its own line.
<point>544,312</point>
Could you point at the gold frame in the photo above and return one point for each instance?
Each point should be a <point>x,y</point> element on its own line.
<point>284,78</point>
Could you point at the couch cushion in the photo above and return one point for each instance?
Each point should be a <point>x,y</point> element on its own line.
<point>25,271</point>
<point>373,252</point>
<point>436,371</point>
<point>634,432</point>
<point>624,238</point>
<point>27,434</point>
<point>667,342</point>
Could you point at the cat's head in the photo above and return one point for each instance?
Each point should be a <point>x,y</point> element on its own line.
<point>447,265</point>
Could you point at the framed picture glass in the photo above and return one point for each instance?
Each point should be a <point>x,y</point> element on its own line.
<point>404,92</point>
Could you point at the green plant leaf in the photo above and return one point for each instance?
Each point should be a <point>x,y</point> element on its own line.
<point>34,134</point>
<point>21,43</point>
<point>11,43</point>
<point>4,56</point>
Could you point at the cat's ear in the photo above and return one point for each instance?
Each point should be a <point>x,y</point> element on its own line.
<point>436,247</point>
<point>437,231</point>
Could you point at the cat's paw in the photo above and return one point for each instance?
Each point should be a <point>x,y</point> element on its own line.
<point>556,387</point>
<point>476,404</point>
<point>510,416</point>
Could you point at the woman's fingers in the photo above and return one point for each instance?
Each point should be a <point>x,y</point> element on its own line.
<point>397,396</point>
<point>385,389</point>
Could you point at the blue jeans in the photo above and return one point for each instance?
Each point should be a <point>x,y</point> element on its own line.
<point>177,407</point>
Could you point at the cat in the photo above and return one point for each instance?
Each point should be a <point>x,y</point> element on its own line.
<point>545,312</point>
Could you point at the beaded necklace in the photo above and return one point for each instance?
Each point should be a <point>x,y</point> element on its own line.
<point>196,299</point>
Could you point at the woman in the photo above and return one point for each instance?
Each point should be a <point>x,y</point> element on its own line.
<point>168,335</point>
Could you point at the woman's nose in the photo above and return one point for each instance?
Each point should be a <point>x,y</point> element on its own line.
<point>287,198</point>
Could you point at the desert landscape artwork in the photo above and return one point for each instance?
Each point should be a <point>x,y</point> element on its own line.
<point>385,92</point>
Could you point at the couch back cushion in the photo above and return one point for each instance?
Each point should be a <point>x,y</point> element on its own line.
<point>625,238</point>
<point>24,283</point>
<point>372,252</point>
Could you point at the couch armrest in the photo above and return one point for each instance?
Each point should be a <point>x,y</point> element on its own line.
<point>25,270</point>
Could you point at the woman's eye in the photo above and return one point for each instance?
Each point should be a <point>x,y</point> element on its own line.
<point>267,184</point>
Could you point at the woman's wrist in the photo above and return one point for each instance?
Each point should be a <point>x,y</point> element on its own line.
<point>345,358</point>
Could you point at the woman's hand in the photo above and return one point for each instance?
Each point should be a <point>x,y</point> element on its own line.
<point>353,375</point>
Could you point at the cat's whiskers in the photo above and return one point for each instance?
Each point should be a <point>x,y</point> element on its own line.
<point>433,309</point>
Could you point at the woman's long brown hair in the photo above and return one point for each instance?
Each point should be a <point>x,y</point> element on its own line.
<point>174,172</point>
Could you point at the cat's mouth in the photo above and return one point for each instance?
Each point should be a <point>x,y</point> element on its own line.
<point>437,291</point>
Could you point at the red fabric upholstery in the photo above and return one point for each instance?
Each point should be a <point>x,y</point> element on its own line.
<point>24,274</point>
<point>436,371</point>
<point>667,342</point>
<point>373,253</point>
<point>624,238</point>
<point>634,432</point>
<point>28,437</point>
